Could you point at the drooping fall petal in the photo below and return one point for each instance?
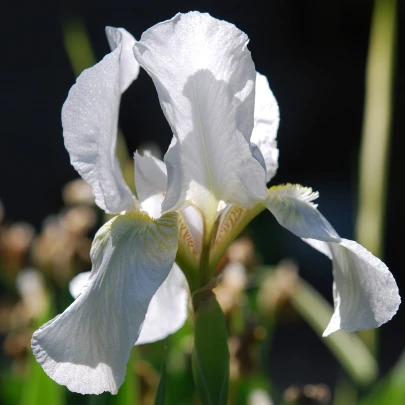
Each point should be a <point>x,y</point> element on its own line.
<point>87,347</point>
<point>293,208</point>
<point>167,309</point>
<point>365,292</point>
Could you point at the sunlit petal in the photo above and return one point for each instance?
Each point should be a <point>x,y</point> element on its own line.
<point>129,67</point>
<point>205,80</point>
<point>87,347</point>
<point>266,120</point>
<point>167,310</point>
<point>320,246</point>
<point>150,176</point>
<point>153,205</point>
<point>90,121</point>
<point>78,283</point>
<point>365,292</point>
<point>293,208</point>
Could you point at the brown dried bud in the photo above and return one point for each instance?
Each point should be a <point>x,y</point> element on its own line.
<point>278,287</point>
<point>77,192</point>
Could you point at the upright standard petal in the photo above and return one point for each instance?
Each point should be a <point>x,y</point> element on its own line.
<point>87,347</point>
<point>266,121</point>
<point>365,292</point>
<point>90,122</point>
<point>151,182</point>
<point>150,176</point>
<point>129,67</point>
<point>205,80</point>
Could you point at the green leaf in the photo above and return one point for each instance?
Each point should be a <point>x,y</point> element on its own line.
<point>210,357</point>
<point>391,390</point>
<point>11,387</point>
<point>160,395</point>
<point>102,399</point>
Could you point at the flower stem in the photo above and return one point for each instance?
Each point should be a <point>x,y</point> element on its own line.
<point>210,357</point>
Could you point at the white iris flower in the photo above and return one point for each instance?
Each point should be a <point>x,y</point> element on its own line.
<point>190,207</point>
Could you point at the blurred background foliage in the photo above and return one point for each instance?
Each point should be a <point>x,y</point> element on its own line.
<point>335,68</point>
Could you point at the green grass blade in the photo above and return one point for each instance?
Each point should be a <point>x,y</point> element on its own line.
<point>391,390</point>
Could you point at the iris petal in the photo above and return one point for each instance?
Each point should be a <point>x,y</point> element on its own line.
<point>266,121</point>
<point>87,347</point>
<point>365,292</point>
<point>150,176</point>
<point>205,80</point>
<point>90,122</point>
<point>167,310</point>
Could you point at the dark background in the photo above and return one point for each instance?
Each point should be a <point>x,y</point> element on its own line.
<point>313,53</point>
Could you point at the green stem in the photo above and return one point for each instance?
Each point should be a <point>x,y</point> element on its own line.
<point>210,357</point>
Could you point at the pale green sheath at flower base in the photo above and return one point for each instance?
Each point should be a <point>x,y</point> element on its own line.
<point>190,207</point>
